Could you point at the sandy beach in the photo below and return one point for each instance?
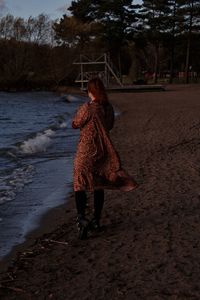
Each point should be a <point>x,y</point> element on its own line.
<point>149,247</point>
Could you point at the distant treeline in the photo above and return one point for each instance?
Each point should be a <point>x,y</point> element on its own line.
<point>156,40</point>
<point>29,55</point>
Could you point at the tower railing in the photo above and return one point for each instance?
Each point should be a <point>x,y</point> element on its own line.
<point>97,65</point>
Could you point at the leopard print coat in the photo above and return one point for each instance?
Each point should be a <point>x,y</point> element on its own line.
<point>97,164</point>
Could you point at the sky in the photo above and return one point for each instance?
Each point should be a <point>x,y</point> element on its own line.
<point>25,8</point>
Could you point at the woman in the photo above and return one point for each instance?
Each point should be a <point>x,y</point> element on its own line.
<point>97,165</point>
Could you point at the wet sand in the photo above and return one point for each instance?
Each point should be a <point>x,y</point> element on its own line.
<point>150,246</point>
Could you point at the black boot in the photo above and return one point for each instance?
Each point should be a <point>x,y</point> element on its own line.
<point>82,223</point>
<point>94,225</point>
<point>98,206</point>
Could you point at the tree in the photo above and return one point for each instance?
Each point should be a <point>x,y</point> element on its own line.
<point>172,30</point>
<point>39,29</point>
<point>190,12</point>
<point>27,53</point>
<point>60,63</point>
<point>117,19</point>
<point>6,27</point>
<point>154,15</point>
<point>94,25</point>
<point>72,32</point>
<point>19,29</point>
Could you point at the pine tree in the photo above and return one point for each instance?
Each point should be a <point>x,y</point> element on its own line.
<point>73,32</point>
<point>154,18</point>
<point>190,11</point>
<point>117,19</point>
<point>172,28</point>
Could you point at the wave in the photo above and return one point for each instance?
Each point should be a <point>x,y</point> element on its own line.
<point>18,173</point>
<point>39,143</point>
<point>42,140</point>
<point>73,98</point>
<point>14,179</point>
<point>35,144</point>
<point>11,184</point>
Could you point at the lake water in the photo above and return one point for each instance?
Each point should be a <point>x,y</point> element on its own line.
<point>37,145</point>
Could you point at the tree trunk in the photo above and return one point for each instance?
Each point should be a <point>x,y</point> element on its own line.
<point>172,65</point>
<point>156,63</point>
<point>172,47</point>
<point>187,59</point>
<point>120,66</point>
<point>189,46</point>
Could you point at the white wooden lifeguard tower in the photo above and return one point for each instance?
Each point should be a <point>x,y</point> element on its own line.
<point>97,66</point>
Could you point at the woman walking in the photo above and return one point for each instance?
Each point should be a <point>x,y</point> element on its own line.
<point>97,165</point>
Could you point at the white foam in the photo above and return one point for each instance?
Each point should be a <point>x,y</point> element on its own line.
<point>67,124</point>
<point>72,98</point>
<point>49,132</point>
<point>63,125</point>
<point>37,144</point>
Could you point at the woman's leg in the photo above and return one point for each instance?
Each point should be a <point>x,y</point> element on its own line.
<point>81,199</point>
<point>98,206</point>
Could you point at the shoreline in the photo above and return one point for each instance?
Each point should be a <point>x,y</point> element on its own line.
<point>25,214</point>
<point>150,246</point>
<point>52,219</point>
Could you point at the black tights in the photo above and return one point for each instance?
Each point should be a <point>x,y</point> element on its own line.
<point>81,199</point>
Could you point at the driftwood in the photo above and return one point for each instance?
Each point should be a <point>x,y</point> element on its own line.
<point>12,289</point>
<point>56,242</point>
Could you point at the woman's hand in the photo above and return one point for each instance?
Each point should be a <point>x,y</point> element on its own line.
<point>74,125</point>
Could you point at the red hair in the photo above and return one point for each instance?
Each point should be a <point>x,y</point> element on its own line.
<point>97,89</point>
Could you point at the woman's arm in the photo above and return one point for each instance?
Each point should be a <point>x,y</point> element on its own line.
<point>82,117</point>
